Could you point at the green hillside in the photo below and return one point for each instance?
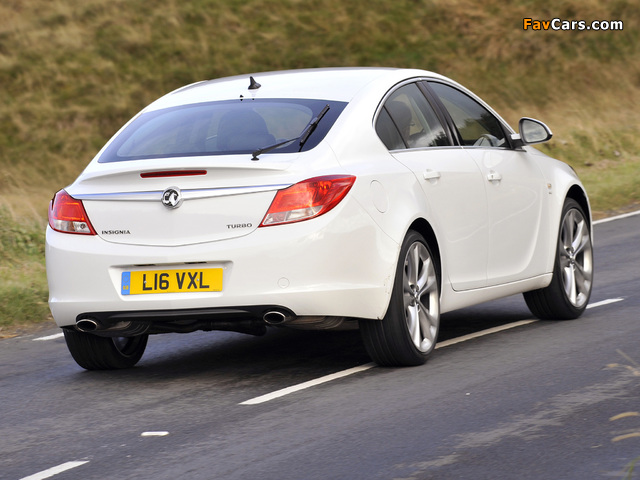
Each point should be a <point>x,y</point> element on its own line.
<point>73,71</point>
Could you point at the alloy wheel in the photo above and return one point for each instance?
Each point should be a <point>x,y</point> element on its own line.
<point>421,297</point>
<point>576,257</point>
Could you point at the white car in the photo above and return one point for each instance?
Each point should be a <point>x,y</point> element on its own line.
<point>320,198</point>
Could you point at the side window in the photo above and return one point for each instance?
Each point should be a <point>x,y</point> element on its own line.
<point>387,131</point>
<point>408,121</point>
<point>475,124</point>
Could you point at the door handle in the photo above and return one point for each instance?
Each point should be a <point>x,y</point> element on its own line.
<point>431,175</point>
<point>494,176</point>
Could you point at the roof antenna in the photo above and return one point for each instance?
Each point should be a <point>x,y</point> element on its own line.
<point>254,85</point>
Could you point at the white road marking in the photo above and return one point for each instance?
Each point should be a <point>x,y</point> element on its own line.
<point>309,384</point>
<point>54,471</point>
<point>154,434</point>
<point>446,343</point>
<point>482,333</point>
<point>617,217</point>
<point>605,302</point>
<point>50,337</point>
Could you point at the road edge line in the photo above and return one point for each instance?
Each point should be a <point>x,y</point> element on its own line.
<point>617,217</point>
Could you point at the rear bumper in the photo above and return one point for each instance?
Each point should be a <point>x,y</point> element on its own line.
<point>340,264</point>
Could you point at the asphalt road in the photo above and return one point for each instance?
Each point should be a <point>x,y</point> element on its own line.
<point>542,400</point>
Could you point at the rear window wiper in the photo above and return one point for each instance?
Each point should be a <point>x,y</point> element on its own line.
<point>302,137</point>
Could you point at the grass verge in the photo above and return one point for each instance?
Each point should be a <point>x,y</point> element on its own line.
<point>23,284</point>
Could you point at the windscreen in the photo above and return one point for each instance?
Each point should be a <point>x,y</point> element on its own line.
<point>221,128</point>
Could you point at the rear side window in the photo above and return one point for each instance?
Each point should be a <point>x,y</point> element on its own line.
<point>388,132</point>
<point>476,125</point>
<point>218,128</point>
<point>408,121</point>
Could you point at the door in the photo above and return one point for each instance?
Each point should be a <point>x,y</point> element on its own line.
<point>450,179</point>
<point>515,187</point>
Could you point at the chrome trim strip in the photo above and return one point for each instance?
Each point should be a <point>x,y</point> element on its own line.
<point>192,194</point>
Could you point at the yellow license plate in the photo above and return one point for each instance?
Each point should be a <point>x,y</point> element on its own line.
<point>172,281</point>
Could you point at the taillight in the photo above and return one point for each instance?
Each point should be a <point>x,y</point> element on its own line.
<point>66,214</point>
<point>307,199</point>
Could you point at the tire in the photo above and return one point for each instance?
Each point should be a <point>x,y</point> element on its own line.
<point>104,353</point>
<point>567,295</point>
<point>407,334</point>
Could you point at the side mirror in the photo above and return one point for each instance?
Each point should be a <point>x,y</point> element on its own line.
<point>531,131</point>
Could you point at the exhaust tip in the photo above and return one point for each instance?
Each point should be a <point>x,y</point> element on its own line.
<point>87,325</point>
<point>275,317</point>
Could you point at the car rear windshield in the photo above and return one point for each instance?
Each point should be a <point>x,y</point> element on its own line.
<point>222,128</point>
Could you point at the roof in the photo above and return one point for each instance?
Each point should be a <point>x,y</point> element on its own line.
<point>340,84</point>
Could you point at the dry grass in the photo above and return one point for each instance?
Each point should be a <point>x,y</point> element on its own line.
<point>73,71</point>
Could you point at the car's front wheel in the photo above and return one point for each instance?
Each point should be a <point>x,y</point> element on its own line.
<point>407,334</point>
<point>104,353</point>
<point>567,295</point>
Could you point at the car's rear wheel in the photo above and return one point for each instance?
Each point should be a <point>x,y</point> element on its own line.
<point>105,353</point>
<point>407,335</point>
<point>567,295</point>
